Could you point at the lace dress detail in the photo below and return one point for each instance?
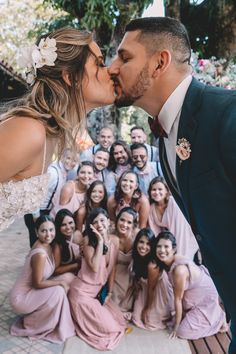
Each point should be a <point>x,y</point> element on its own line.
<point>18,198</point>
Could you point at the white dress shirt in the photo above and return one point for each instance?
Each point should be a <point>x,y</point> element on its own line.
<point>169,119</point>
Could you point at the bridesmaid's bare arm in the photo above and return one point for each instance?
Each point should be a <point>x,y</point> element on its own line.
<point>111,207</point>
<point>80,218</point>
<point>143,211</point>
<point>153,275</point>
<point>38,262</point>
<point>180,275</point>
<point>63,268</point>
<point>93,256</point>
<point>66,193</point>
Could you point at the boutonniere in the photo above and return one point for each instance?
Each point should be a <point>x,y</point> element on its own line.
<point>183,149</point>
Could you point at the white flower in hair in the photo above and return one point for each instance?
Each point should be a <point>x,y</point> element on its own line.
<point>44,53</point>
<point>36,56</point>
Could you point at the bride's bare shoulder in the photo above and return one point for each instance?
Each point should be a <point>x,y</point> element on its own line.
<point>22,142</point>
<point>23,126</point>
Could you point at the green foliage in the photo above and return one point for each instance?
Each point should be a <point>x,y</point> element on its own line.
<point>93,14</point>
<point>50,26</point>
<point>131,116</point>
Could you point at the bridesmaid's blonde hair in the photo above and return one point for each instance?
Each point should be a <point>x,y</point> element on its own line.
<point>58,105</point>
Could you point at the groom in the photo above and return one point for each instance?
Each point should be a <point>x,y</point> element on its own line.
<point>197,129</point>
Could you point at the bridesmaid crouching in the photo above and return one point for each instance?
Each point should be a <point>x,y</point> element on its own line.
<point>154,294</point>
<point>100,325</point>
<point>197,310</point>
<point>67,246</point>
<point>42,300</point>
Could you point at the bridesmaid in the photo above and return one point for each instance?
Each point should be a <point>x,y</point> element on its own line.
<point>166,215</point>
<point>154,294</point>
<point>197,310</point>
<point>73,192</point>
<point>67,244</point>
<point>96,197</point>
<point>128,193</point>
<point>101,326</point>
<point>123,289</point>
<point>41,299</point>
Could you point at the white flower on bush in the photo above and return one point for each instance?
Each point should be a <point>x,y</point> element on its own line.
<point>30,77</point>
<point>25,57</point>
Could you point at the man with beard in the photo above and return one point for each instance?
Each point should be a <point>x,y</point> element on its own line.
<point>138,135</point>
<point>119,161</point>
<point>146,170</point>
<point>105,139</point>
<point>197,128</point>
<point>100,160</point>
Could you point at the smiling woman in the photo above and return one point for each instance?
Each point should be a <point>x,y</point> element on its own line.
<point>68,79</point>
<point>128,193</point>
<point>41,298</point>
<point>197,310</point>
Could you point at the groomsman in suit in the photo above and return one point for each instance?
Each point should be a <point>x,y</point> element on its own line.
<point>197,128</point>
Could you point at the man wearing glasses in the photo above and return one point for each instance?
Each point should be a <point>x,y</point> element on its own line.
<point>145,169</point>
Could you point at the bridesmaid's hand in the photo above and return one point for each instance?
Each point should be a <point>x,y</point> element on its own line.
<point>65,286</point>
<point>99,236</point>
<point>173,334</point>
<point>108,298</point>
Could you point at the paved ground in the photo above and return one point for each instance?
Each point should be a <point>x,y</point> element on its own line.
<point>13,248</point>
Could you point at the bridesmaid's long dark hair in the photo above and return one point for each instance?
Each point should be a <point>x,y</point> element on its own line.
<point>140,264</point>
<point>60,239</point>
<point>89,232</point>
<point>163,235</point>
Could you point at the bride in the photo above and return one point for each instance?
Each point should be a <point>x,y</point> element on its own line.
<point>68,79</point>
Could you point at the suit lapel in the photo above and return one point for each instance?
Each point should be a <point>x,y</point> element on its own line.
<point>187,129</point>
<point>168,174</point>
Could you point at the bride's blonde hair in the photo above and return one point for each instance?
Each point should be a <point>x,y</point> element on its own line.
<point>58,105</point>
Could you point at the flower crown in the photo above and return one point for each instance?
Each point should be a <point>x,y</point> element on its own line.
<point>37,56</point>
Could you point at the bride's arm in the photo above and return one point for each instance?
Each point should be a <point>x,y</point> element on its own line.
<point>21,149</point>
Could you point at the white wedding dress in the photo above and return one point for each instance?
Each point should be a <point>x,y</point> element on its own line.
<point>18,198</point>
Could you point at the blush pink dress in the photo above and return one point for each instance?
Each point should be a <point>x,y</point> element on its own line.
<point>101,326</point>
<point>123,289</point>
<point>174,220</point>
<point>46,311</point>
<point>75,255</point>
<point>73,205</point>
<point>162,306</point>
<point>202,314</point>
<point>74,250</point>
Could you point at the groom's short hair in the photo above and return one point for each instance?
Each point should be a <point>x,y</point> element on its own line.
<point>158,33</point>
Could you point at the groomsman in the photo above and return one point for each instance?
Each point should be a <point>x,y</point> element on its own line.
<point>138,135</point>
<point>146,170</point>
<point>105,139</point>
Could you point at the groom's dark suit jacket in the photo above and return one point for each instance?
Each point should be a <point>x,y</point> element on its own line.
<point>206,182</point>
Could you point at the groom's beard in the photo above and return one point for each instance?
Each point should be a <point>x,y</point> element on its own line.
<point>137,90</point>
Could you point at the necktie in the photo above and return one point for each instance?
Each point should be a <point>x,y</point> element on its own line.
<point>156,128</point>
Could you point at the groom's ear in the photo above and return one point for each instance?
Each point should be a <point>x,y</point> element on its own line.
<point>66,78</point>
<point>162,62</point>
